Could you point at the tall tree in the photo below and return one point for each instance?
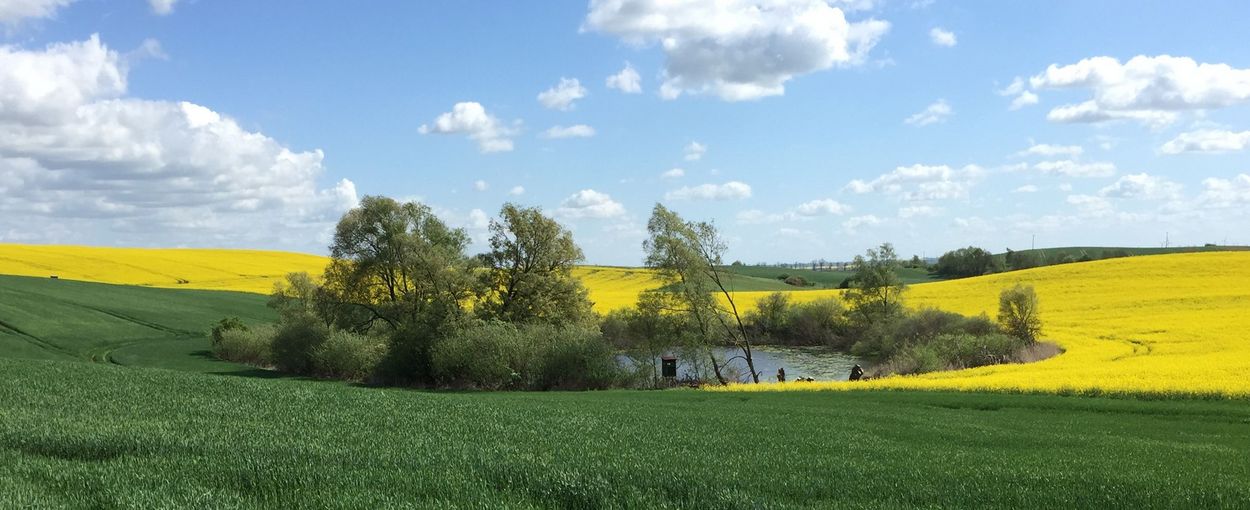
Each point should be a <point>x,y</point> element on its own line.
<point>529,277</point>
<point>400,263</point>
<point>689,255</point>
<point>876,291</point>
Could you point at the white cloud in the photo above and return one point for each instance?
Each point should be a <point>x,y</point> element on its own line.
<point>942,37</point>
<point>563,94</point>
<point>1072,168</point>
<point>589,203</point>
<point>480,185</point>
<point>574,131</point>
<point>738,49</point>
<point>673,173</point>
<point>1151,90</point>
<point>758,217</point>
<point>695,151</point>
<point>1027,188</point>
<point>627,81</point>
<point>1023,97</point>
<point>1142,186</point>
<point>162,7</point>
<point>852,225</point>
<point>81,162</point>
<point>1226,192</point>
<point>914,211</point>
<point>732,190</point>
<point>822,207</point>
<point>934,113</point>
<point>1089,204</point>
<point>1207,140</point>
<point>470,118</point>
<point>478,220</point>
<point>1048,150</point>
<point>921,182</point>
<point>517,191</point>
<point>13,11</point>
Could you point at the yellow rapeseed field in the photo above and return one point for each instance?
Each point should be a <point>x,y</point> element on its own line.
<point>238,270</point>
<point>1162,324</point>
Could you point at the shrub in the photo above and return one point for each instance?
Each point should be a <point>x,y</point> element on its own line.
<point>819,322</point>
<point>298,337</point>
<point>407,361</point>
<point>347,355</point>
<point>769,319</point>
<point>253,346</point>
<point>575,358</point>
<point>797,281</point>
<point>964,262</point>
<point>1018,313</point>
<point>223,326</point>
<point>493,355</point>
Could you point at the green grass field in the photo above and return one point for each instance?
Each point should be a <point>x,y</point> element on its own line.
<point>42,318</point>
<point>1052,255</point>
<point>84,435</point>
<point>78,434</point>
<point>767,277</point>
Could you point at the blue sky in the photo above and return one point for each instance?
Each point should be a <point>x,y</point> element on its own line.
<point>805,128</point>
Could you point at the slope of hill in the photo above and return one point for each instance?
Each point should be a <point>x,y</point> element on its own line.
<point>1166,324</point>
<point>821,279</point>
<point>43,318</point>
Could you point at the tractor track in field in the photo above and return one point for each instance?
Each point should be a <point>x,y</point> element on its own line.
<point>34,340</point>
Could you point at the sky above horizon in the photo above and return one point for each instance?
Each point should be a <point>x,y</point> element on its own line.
<point>805,129</point>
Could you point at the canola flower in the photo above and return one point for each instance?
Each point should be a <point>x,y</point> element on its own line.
<point>1163,325</point>
<point>237,270</point>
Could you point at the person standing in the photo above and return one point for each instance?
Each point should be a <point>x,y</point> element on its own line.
<point>857,373</point>
<point>781,375</point>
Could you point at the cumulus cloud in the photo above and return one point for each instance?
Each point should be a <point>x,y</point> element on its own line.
<point>1048,150</point>
<point>562,95</point>
<point>80,159</point>
<point>1142,186</point>
<point>627,81</point>
<point>162,7</point>
<point>1071,168</point>
<point>914,211</point>
<point>942,37</point>
<point>732,190</point>
<point>589,203</point>
<point>1150,90</point>
<point>694,151</point>
<point>574,131</point>
<point>480,185</point>
<point>1226,192</point>
<point>852,225</point>
<point>1022,97</point>
<point>822,207</point>
<point>517,191</point>
<point>13,11</point>
<point>673,173</point>
<point>471,119</point>
<point>921,182</point>
<point>1207,140</point>
<point>738,49</point>
<point>1027,188</point>
<point>934,113</point>
<point>1090,204</point>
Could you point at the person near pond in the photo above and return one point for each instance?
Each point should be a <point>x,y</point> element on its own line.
<point>857,373</point>
<point>781,375</point>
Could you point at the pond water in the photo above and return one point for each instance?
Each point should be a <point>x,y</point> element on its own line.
<point>819,363</point>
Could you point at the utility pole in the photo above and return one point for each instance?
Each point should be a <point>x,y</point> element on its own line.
<point>1033,243</point>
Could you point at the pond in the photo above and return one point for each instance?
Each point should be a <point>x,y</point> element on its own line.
<point>819,363</point>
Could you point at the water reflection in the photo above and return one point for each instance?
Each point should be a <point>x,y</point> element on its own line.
<point>819,363</point>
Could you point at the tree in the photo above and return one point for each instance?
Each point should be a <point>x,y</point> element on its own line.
<point>771,315</point>
<point>689,256</point>
<point>397,263</point>
<point>965,262</point>
<point>529,271</point>
<point>876,292</point>
<point>1018,312</point>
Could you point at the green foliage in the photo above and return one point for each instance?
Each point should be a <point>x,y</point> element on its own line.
<point>253,346</point>
<point>770,319</point>
<point>78,435</point>
<point>819,322</point>
<point>223,326</point>
<point>499,355</point>
<point>876,292</point>
<point>965,262</point>
<point>1018,312</point>
<point>796,281</point>
<point>529,271</point>
<point>349,356</point>
<point>297,339</point>
<point>909,339</point>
